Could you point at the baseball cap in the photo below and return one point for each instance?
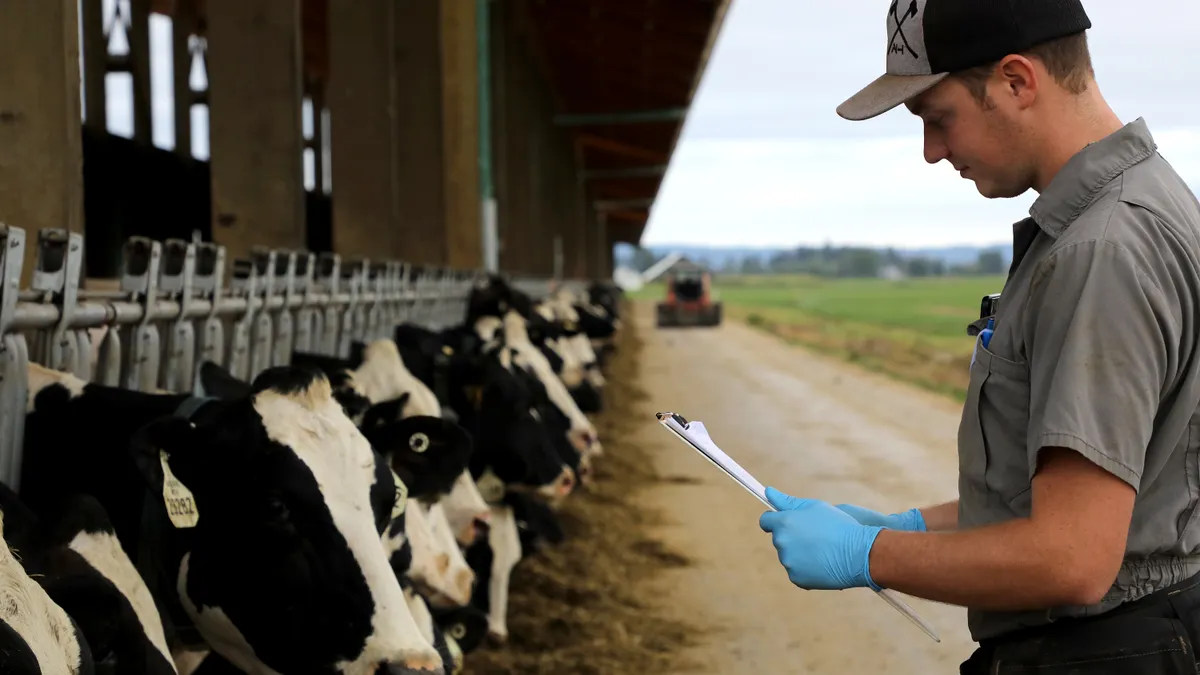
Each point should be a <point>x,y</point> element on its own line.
<point>929,39</point>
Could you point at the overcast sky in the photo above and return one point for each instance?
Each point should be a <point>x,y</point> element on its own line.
<point>765,160</point>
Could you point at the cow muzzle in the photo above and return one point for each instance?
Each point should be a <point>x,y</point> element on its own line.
<point>560,487</point>
<point>475,530</point>
<point>585,471</point>
<point>414,667</point>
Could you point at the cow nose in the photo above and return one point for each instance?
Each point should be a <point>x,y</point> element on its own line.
<point>481,526</point>
<point>566,482</point>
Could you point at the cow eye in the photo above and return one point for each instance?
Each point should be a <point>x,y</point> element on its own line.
<point>418,442</point>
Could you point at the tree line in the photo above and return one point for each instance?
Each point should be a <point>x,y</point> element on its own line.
<point>843,262</point>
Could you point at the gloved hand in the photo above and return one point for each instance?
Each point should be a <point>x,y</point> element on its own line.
<point>907,521</point>
<point>820,546</point>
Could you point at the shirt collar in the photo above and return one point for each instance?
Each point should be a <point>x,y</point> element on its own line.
<point>1083,176</point>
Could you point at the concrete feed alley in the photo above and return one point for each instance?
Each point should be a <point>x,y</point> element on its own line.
<point>812,427</point>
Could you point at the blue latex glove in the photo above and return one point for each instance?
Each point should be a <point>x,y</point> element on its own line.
<point>820,546</point>
<point>906,521</point>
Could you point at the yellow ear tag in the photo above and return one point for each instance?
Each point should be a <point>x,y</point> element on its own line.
<point>401,497</point>
<point>181,505</point>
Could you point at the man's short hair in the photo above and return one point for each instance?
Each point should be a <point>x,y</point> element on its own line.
<point>1067,59</point>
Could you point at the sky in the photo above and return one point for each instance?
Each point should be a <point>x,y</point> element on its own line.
<point>764,160</point>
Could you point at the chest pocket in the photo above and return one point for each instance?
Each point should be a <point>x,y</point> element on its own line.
<point>993,460</point>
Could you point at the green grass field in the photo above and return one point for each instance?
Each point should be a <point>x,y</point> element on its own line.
<point>913,329</point>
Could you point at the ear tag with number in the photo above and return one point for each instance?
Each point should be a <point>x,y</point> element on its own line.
<point>181,505</point>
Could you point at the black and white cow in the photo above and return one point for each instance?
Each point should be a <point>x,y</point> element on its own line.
<point>75,556</point>
<point>493,402</point>
<point>37,636</point>
<point>428,456</point>
<point>256,521</point>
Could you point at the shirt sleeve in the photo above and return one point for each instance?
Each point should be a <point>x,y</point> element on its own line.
<point>1100,342</point>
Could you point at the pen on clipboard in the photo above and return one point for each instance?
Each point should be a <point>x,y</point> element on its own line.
<point>696,435</point>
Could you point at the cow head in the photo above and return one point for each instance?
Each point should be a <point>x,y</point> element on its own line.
<point>511,439</point>
<point>427,453</point>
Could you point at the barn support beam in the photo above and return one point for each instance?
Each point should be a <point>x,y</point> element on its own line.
<point>418,128</point>
<point>361,94</point>
<point>597,236</point>
<point>489,230</point>
<point>579,212</point>
<point>95,65</point>
<point>460,126</point>
<point>41,160</point>
<point>607,242</point>
<point>183,25</point>
<point>139,66</point>
<point>514,129</point>
<point>438,118</point>
<point>256,149</point>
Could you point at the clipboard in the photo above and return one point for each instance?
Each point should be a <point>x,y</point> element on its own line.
<point>696,435</point>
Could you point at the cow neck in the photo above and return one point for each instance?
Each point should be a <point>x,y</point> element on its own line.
<point>161,546</point>
<point>518,337</point>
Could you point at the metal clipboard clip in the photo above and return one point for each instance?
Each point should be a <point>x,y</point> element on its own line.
<point>696,435</point>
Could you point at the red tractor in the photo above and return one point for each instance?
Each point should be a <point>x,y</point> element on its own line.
<point>689,299</point>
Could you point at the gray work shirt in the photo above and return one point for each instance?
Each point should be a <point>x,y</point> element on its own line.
<point>1095,349</point>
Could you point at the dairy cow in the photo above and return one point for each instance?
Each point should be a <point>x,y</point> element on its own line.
<point>256,521</point>
<point>37,637</point>
<point>75,557</point>
<point>475,376</point>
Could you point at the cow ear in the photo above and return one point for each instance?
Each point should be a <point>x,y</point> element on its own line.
<point>178,438</point>
<point>358,350</point>
<point>220,383</point>
<point>386,412</point>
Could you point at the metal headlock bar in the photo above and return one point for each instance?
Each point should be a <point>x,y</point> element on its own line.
<point>174,310</point>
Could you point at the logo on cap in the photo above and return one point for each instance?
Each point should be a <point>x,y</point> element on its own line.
<point>910,13</point>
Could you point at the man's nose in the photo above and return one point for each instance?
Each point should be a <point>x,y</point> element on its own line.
<point>935,149</point>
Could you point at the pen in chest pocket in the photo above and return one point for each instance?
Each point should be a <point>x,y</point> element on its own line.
<point>985,336</point>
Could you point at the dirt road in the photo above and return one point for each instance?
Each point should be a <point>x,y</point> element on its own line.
<point>812,427</point>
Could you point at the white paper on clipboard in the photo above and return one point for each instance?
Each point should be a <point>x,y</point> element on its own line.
<point>696,435</point>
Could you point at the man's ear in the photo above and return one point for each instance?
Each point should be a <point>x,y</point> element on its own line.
<point>177,437</point>
<point>220,383</point>
<point>1021,79</point>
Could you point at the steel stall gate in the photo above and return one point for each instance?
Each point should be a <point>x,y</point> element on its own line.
<point>172,311</point>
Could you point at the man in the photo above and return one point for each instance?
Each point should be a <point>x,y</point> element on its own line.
<point>1075,542</point>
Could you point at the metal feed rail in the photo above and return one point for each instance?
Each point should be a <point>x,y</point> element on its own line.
<point>173,311</point>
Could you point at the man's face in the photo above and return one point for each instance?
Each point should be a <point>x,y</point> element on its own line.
<point>984,143</point>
